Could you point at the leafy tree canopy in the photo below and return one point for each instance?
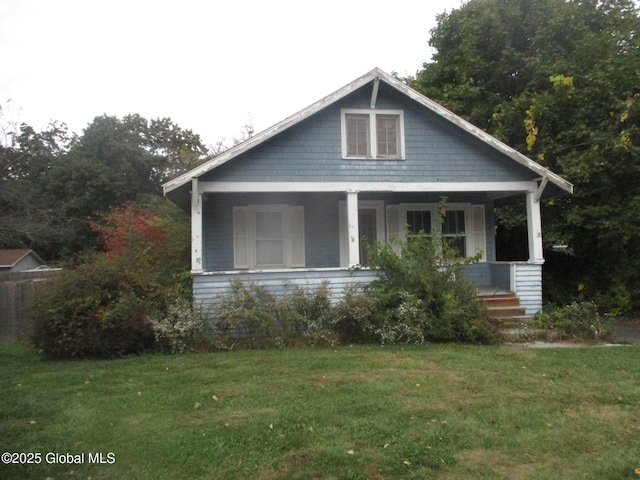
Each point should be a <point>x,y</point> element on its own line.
<point>26,157</point>
<point>54,185</point>
<point>559,81</point>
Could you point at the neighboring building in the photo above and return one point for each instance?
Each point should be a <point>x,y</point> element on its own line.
<point>372,160</point>
<point>19,260</point>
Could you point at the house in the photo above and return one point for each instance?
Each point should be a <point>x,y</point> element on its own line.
<point>370,162</point>
<point>19,259</point>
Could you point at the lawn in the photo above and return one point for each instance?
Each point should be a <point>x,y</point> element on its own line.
<point>436,411</point>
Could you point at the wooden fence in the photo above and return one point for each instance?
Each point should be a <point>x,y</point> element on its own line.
<point>17,291</point>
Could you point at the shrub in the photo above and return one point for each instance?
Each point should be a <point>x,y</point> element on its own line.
<point>422,286</point>
<point>180,328</point>
<point>250,316</point>
<point>306,310</point>
<point>577,321</point>
<point>247,310</point>
<point>356,317</point>
<point>420,294</point>
<point>362,317</point>
<point>407,323</point>
<point>92,311</point>
<point>101,307</point>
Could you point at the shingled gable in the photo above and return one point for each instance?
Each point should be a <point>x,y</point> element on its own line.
<point>178,189</point>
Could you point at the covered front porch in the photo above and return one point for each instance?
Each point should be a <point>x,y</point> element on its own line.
<point>327,222</point>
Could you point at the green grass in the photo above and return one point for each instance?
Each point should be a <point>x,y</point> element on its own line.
<point>444,411</point>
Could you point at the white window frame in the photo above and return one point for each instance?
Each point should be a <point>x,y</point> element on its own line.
<point>416,207</point>
<point>373,144</point>
<point>247,233</point>
<point>470,234</point>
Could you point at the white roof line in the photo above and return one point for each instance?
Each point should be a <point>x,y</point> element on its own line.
<point>479,133</point>
<point>376,73</point>
<point>269,132</point>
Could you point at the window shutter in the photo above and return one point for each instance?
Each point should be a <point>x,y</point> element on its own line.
<point>297,237</point>
<point>393,227</point>
<point>240,237</point>
<point>479,233</point>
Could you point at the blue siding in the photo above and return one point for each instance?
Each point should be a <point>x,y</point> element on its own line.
<point>322,247</point>
<point>501,275</point>
<point>436,151</point>
<point>209,288</point>
<point>479,274</point>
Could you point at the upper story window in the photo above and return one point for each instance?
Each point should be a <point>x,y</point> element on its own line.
<point>373,134</point>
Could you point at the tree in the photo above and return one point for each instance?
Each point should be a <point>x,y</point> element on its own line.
<point>559,81</point>
<point>26,157</point>
<point>113,162</point>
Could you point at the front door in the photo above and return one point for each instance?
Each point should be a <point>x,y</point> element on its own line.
<point>368,228</point>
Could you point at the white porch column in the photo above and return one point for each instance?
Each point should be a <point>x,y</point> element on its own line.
<point>196,227</point>
<point>353,245</point>
<point>534,227</point>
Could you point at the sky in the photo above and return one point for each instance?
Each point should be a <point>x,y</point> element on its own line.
<point>211,66</point>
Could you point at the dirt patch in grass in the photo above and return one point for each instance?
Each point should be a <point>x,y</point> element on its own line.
<point>492,462</point>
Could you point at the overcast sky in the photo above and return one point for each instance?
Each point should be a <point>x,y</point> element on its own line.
<point>210,65</point>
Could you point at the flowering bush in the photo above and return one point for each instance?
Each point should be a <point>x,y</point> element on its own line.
<point>306,310</point>
<point>180,328</point>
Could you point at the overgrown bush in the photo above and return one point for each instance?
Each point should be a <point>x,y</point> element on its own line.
<point>101,306</point>
<point>249,314</point>
<point>577,321</point>
<point>180,328</point>
<point>362,317</point>
<point>307,312</point>
<point>247,310</point>
<point>420,295</point>
<point>356,317</point>
<point>94,310</point>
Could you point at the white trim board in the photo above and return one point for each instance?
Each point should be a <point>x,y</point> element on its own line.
<point>401,187</point>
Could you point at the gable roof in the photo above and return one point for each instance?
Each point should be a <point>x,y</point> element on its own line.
<point>374,75</point>
<point>11,256</point>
